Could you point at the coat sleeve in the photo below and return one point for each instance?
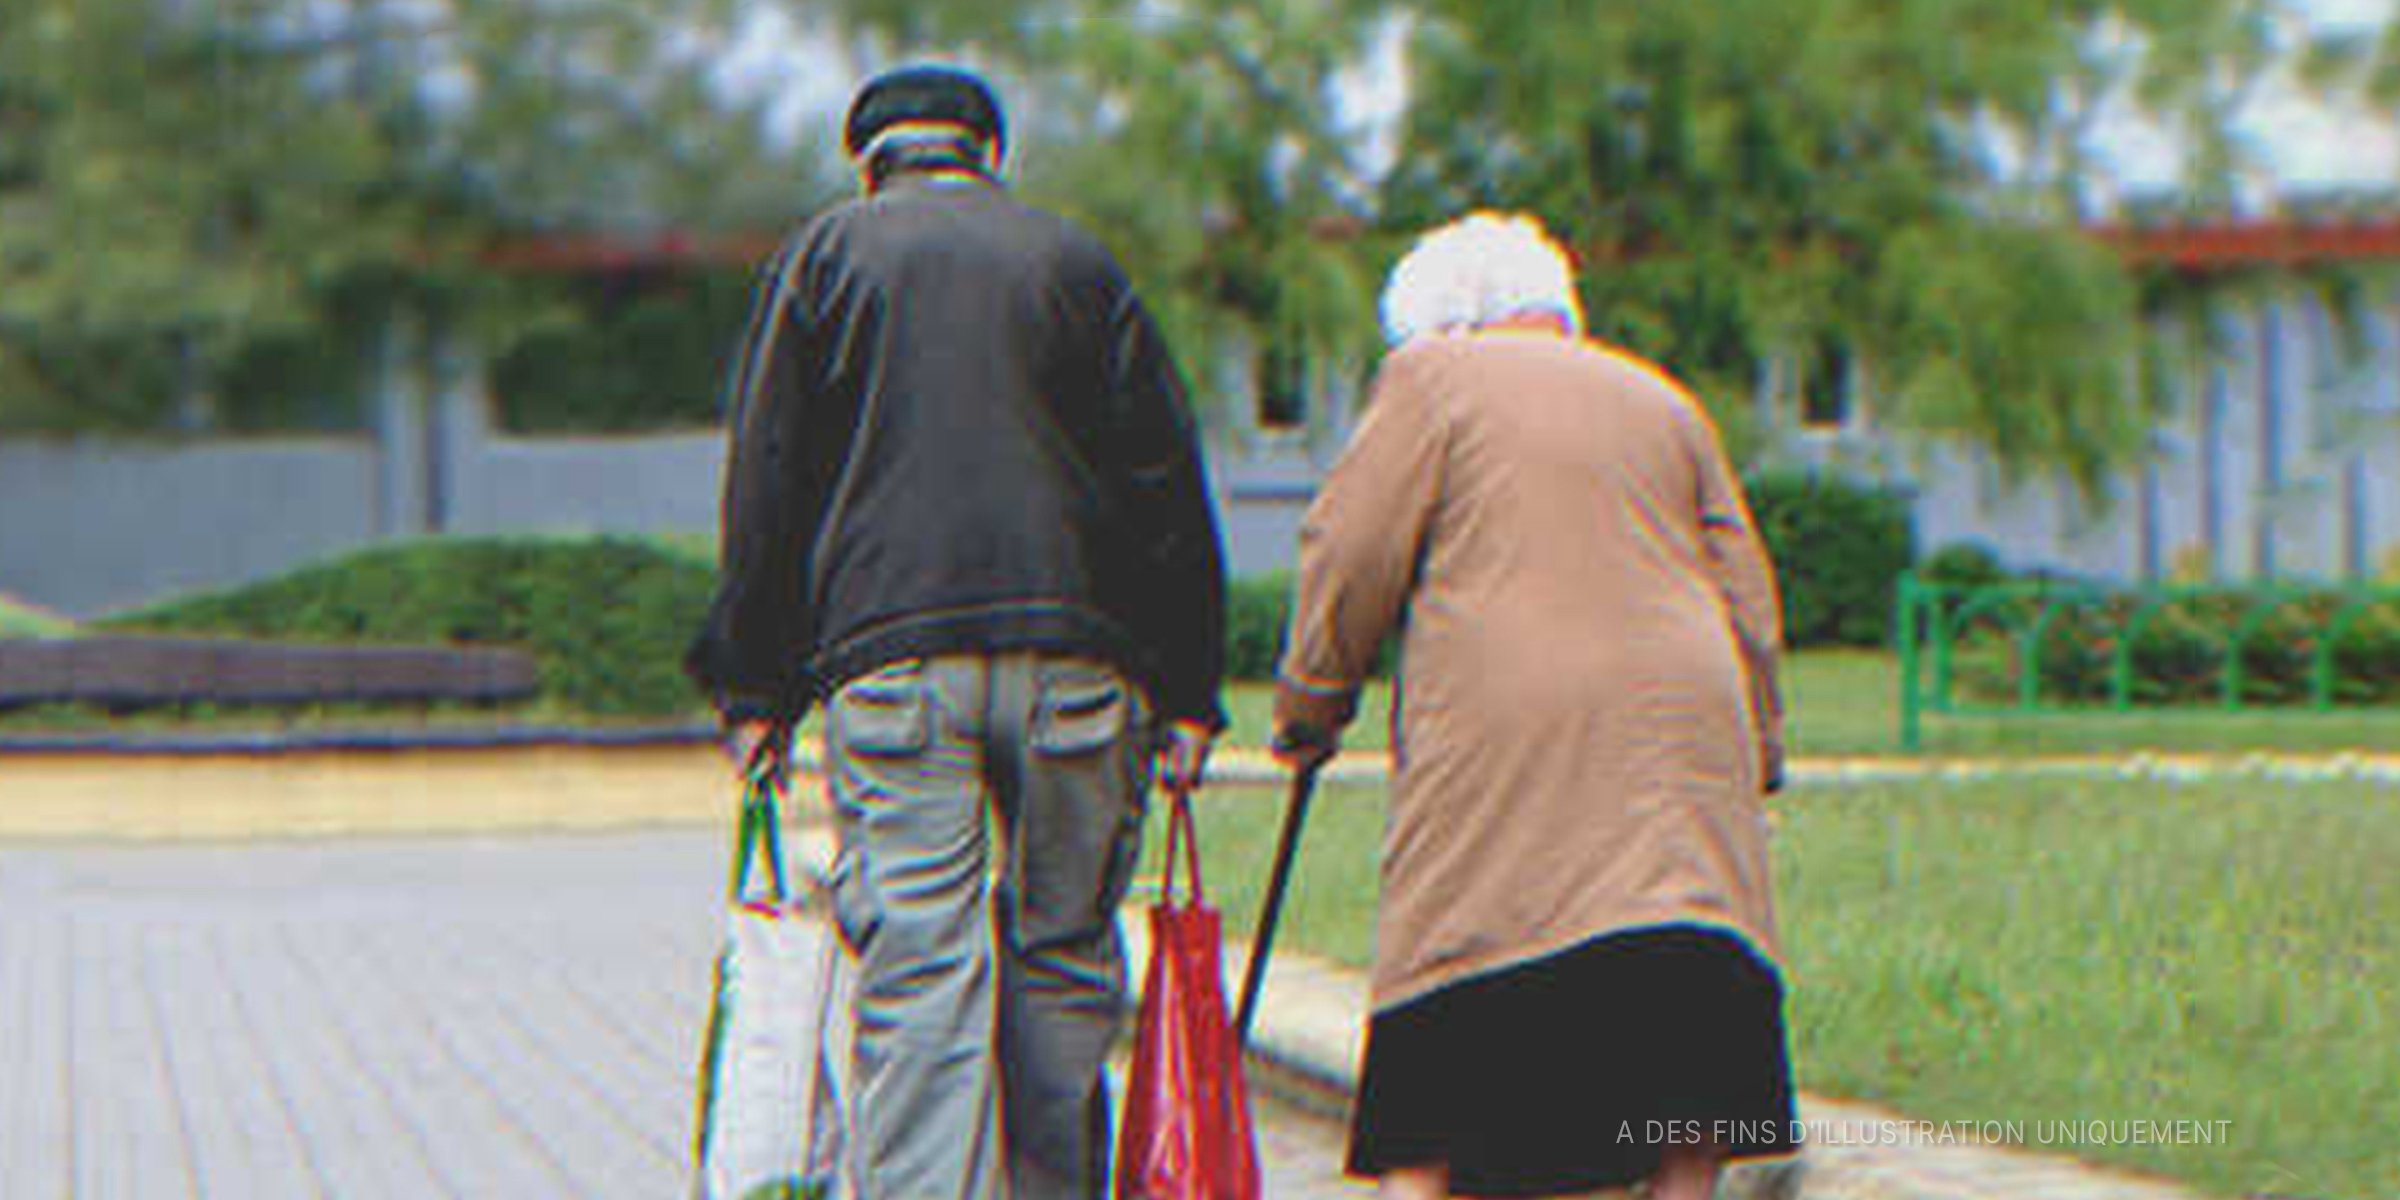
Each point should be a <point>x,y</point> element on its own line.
<point>1745,577</point>
<point>751,653</point>
<point>1360,545</point>
<point>1175,605</point>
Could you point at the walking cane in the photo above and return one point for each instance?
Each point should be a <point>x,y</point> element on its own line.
<point>1304,783</point>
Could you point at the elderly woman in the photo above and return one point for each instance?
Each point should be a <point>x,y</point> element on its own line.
<point>1575,983</point>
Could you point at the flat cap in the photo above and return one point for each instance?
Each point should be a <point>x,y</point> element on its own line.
<point>924,93</point>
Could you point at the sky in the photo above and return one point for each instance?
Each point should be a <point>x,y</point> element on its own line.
<point>2304,142</point>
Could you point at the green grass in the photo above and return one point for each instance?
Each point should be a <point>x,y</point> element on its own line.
<point>1250,706</point>
<point>1847,702</point>
<point>2088,951</point>
<point>1330,907</point>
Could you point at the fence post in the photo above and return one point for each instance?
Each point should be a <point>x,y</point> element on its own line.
<point>1911,634</point>
<point>2029,656</point>
<point>2320,674</point>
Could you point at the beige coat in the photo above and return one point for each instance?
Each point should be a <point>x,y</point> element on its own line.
<point>1589,712</point>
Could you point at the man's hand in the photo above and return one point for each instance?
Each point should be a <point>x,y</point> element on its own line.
<point>1183,755</point>
<point>1304,747</point>
<point>760,749</point>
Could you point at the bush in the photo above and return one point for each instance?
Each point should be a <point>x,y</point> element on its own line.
<point>1963,565</point>
<point>24,621</point>
<point>2178,649</point>
<point>1258,609</point>
<point>1839,549</point>
<point>613,360</point>
<point>606,618</point>
<point>1258,612</point>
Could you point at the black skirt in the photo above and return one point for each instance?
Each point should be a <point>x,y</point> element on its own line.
<point>1574,1072</point>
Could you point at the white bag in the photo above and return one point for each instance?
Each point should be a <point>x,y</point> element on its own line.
<point>774,1073</point>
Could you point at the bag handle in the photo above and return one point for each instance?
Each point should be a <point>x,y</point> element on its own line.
<point>760,829</point>
<point>1183,841</point>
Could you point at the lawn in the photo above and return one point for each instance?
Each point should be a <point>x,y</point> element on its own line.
<point>1847,702</point>
<point>2112,951</point>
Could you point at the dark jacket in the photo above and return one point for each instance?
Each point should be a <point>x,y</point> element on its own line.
<point>955,429</point>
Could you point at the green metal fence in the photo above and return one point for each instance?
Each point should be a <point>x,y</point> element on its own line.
<point>2051,648</point>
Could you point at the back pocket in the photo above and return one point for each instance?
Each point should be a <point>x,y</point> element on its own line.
<point>1080,712</point>
<point>883,713</point>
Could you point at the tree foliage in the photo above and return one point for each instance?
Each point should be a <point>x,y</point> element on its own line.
<point>201,197</point>
<point>1199,138</point>
<point>1906,178</point>
<point>163,198</point>
<point>1747,179</point>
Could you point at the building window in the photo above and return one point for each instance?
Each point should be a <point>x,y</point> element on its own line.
<point>1280,380</point>
<point>1827,375</point>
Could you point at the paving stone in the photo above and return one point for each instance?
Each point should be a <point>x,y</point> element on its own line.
<point>403,1019</point>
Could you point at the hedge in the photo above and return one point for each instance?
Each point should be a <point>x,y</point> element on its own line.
<point>606,618</point>
<point>2179,651</point>
<point>1258,608</point>
<point>23,621</point>
<point>1839,549</point>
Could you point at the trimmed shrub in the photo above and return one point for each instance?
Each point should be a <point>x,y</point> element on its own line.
<point>1258,610</point>
<point>1839,549</point>
<point>1963,565</point>
<point>606,618</point>
<point>2179,649</point>
<point>24,621</point>
<point>612,359</point>
<point>1258,613</point>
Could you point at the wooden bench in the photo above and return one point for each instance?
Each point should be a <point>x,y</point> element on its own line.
<point>125,673</point>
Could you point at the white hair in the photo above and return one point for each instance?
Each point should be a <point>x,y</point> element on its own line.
<point>1481,268</point>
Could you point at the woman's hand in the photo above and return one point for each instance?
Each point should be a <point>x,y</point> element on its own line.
<point>1304,747</point>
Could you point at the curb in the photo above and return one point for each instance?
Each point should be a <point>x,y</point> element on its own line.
<point>372,741</point>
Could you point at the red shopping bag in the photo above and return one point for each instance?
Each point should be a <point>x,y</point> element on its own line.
<point>1187,1132</point>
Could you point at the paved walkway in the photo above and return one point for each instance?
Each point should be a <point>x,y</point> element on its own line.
<point>517,1016</point>
<point>384,1018</point>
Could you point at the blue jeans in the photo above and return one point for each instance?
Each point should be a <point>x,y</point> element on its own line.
<point>987,999</point>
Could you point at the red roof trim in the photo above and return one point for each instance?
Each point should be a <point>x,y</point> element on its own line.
<point>2225,246</point>
<point>2232,245</point>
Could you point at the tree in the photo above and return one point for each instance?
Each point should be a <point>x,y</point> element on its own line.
<point>197,196</point>
<point>164,197</point>
<point>1906,178</point>
<point>1748,180</point>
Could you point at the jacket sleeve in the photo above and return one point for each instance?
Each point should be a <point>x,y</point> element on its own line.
<point>1745,577</point>
<point>1360,545</point>
<point>1175,607</point>
<point>751,653</point>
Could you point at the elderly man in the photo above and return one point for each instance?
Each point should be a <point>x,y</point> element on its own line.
<point>965,509</point>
